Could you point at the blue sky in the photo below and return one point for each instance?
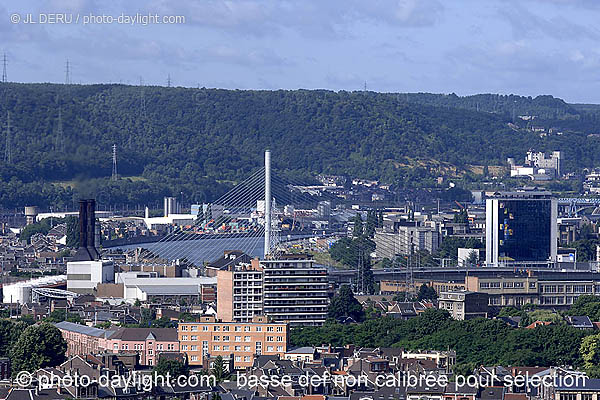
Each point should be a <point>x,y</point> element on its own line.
<point>526,47</point>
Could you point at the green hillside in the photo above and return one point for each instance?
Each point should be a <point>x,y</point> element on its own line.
<point>190,140</point>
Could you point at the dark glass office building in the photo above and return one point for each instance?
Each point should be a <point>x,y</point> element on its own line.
<point>521,228</point>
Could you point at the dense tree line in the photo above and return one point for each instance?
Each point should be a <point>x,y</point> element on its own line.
<point>31,347</point>
<point>198,141</point>
<point>477,342</point>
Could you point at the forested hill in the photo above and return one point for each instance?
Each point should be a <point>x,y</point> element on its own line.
<point>543,107</point>
<point>173,140</point>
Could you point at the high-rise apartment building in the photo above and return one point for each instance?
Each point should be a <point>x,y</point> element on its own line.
<point>289,289</point>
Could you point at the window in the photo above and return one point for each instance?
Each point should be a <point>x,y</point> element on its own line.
<point>270,339</point>
<point>184,347</point>
<point>568,396</point>
<point>238,328</point>
<point>238,338</point>
<point>194,337</point>
<point>238,358</point>
<point>246,329</point>
<point>269,329</point>
<point>246,358</point>
<point>246,338</point>
<point>184,327</point>
<point>259,329</point>
<point>194,328</point>
<point>184,337</point>
<point>225,348</point>
<point>269,348</point>
<point>280,348</point>
<point>280,329</point>
<point>217,338</point>
<point>194,348</point>
<point>587,396</point>
<point>194,358</point>
<point>226,338</point>
<point>217,348</point>
<point>217,328</point>
<point>238,348</point>
<point>205,328</point>
<point>247,348</point>
<point>159,347</point>
<point>116,346</point>
<point>225,328</point>
<point>259,348</point>
<point>150,351</point>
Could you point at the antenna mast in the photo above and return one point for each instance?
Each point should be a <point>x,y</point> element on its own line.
<point>169,80</point>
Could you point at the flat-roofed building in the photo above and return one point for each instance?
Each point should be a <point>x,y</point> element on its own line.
<point>521,228</point>
<point>295,291</point>
<point>506,290</point>
<point>288,289</point>
<point>242,341</point>
<point>464,305</point>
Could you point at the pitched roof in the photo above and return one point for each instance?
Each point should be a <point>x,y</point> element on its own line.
<point>83,329</point>
<point>140,334</point>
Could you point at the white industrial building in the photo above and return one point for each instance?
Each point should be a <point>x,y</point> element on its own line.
<point>21,292</point>
<point>141,285</point>
<point>84,276</point>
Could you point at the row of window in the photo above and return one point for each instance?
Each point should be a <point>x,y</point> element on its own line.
<point>227,338</point>
<point>566,288</point>
<point>573,396</point>
<point>185,347</point>
<point>225,328</point>
<point>506,285</point>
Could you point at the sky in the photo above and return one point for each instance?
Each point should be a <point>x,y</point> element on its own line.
<point>526,47</point>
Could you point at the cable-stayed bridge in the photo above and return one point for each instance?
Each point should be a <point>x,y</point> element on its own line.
<point>258,216</point>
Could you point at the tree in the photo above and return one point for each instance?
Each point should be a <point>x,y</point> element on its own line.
<point>472,258</point>
<point>9,334</point>
<point>358,226</point>
<point>590,353</point>
<point>426,293</point>
<point>38,346</point>
<point>462,217</point>
<point>371,223</point>
<point>344,304</point>
<point>174,368</point>
<point>72,232</point>
<point>218,370</point>
<point>59,316</point>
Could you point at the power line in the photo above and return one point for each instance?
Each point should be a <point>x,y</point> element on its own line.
<point>8,149</point>
<point>142,99</point>
<point>67,73</point>
<point>60,140</point>
<point>114,176</point>
<point>4,64</point>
